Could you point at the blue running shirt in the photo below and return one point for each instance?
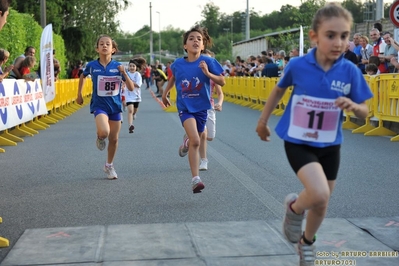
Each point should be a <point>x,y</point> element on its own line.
<point>192,86</point>
<point>311,117</point>
<point>106,86</point>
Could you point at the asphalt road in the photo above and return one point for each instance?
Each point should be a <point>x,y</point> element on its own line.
<point>55,178</point>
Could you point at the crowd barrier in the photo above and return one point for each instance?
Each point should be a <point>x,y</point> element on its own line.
<point>253,92</point>
<point>16,101</point>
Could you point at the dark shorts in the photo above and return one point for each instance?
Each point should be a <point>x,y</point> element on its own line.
<point>112,117</point>
<point>300,155</point>
<point>200,118</point>
<point>135,104</point>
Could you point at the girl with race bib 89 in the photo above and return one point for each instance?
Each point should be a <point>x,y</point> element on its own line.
<point>324,83</point>
<point>106,103</point>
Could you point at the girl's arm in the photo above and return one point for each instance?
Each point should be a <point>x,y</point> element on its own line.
<point>79,99</point>
<point>219,92</point>
<point>262,128</point>
<point>218,79</point>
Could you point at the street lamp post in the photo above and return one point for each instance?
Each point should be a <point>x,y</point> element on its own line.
<point>160,61</point>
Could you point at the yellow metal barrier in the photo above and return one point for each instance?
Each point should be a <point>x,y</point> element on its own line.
<point>386,104</point>
<point>370,103</point>
<point>3,242</point>
<point>172,99</point>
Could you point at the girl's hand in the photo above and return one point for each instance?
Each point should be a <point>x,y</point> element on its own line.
<point>263,131</point>
<point>346,104</point>
<point>165,100</point>
<point>122,69</point>
<point>204,67</point>
<point>218,107</point>
<point>79,99</point>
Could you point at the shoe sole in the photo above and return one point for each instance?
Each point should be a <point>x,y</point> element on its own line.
<point>200,186</point>
<point>203,169</point>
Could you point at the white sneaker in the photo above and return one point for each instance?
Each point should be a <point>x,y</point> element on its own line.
<point>183,150</point>
<point>110,171</point>
<point>134,117</point>
<point>203,165</point>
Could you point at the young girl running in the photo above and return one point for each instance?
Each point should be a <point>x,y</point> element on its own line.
<point>324,83</point>
<point>191,76</point>
<point>105,103</point>
<point>133,98</point>
<point>210,126</point>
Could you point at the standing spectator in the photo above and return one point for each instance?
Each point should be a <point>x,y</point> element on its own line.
<point>105,103</point>
<point>78,69</point>
<point>357,46</point>
<point>4,55</point>
<point>191,76</point>
<point>351,56</point>
<point>294,52</point>
<point>147,75</point>
<point>365,52</point>
<point>29,51</point>
<point>389,53</point>
<point>25,70</point>
<point>270,69</point>
<point>4,6</point>
<point>378,47</point>
<point>168,70</point>
<point>312,146</point>
<point>160,78</point>
<point>57,67</point>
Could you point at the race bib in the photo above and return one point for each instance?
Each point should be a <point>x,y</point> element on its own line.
<point>108,86</point>
<point>314,119</point>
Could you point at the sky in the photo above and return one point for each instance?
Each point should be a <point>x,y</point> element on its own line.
<point>185,13</point>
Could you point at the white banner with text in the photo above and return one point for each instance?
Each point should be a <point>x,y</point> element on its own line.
<point>20,102</point>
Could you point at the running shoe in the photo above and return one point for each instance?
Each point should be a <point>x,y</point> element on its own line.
<point>203,165</point>
<point>292,223</point>
<point>101,144</point>
<point>197,185</point>
<point>110,171</point>
<point>183,149</point>
<point>134,117</point>
<point>306,254</point>
<point>131,129</point>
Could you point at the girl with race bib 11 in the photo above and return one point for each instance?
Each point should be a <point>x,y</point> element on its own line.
<point>324,84</point>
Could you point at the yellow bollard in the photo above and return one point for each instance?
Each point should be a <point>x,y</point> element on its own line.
<point>3,242</point>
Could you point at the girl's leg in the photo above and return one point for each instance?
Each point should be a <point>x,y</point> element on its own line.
<point>135,112</point>
<point>203,144</point>
<point>130,113</point>
<point>115,127</point>
<point>102,126</point>
<point>314,197</point>
<point>190,126</point>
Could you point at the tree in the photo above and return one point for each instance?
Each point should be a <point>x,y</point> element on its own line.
<point>78,21</point>
<point>356,8</point>
<point>211,16</point>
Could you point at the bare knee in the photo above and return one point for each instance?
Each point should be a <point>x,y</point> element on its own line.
<point>320,200</point>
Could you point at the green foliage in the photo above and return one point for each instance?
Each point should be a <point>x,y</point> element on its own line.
<point>16,36</point>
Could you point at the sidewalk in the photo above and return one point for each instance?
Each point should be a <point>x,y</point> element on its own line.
<point>206,243</point>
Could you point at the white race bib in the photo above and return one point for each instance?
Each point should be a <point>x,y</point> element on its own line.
<point>108,85</point>
<point>313,119</point>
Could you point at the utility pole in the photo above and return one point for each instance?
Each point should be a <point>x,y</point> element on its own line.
<point>43,13</point>
<point>151,51</point>
<point>247,23</point>
<point>160,58</point>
